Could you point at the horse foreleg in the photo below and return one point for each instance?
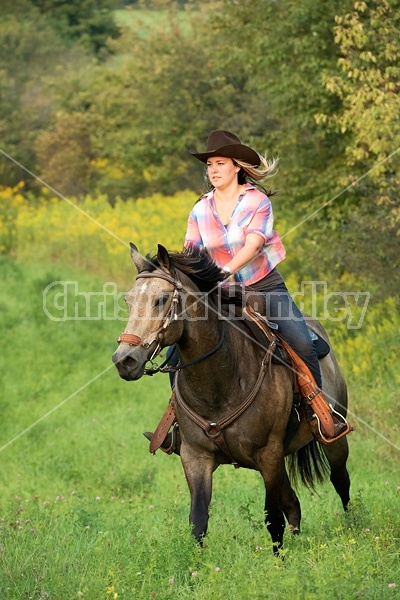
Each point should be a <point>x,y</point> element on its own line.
<point>337,454</point>
<point>272,468</point>
<point>291,505</point>
<point>198,471</point>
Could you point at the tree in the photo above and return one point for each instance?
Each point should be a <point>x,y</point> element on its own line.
<point>166,92</point>
<point>367,86</point>
<point>151,107</point>
<point>66,154</point>
<point>89,21</point>
<point>30,55</point>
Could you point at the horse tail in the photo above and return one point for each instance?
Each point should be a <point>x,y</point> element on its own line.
<point>309,464</point>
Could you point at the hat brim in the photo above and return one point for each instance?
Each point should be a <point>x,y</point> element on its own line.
<point>238,151</point>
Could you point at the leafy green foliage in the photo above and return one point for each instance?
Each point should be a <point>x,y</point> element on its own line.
<point>367,86</point>
<point>314,83</point>
<point>90,22</point>
<point>31,56</point>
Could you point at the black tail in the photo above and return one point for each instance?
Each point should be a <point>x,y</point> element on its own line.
<point>309,464</point>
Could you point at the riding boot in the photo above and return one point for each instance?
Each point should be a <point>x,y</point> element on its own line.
<point>168,442</point>
<point>326,424</point>
<point>171,444</point>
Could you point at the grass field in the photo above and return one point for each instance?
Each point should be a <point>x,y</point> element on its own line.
<point>143,21</point>
<point>87,512</point>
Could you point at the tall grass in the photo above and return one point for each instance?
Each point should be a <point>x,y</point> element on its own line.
<point>87,512</point>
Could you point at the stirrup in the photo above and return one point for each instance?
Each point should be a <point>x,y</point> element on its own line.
<point>161,432</point>
<point>170,444</point>
<point>325,440</point>
<point>174,440</point>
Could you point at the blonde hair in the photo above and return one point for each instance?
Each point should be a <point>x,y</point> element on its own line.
<point>267,168</point>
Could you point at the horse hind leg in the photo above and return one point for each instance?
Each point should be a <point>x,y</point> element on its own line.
<point>291,505</point>
<point>337,454</point>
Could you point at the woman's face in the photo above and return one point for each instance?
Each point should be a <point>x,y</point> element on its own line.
<point>222,172</point>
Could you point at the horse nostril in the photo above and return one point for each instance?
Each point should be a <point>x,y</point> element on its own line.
<point>118,358</point>
<point>128,362</point>
<point>124,360</point>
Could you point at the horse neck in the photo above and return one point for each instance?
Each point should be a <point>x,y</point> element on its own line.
<point>210,380</point>
<point>200,335</point>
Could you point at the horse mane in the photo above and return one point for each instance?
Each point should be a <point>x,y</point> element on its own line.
<point>201,269</point>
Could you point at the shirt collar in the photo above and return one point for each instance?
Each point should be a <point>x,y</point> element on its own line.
<point>248,186</point>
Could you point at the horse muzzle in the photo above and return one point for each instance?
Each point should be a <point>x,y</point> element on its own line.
<point>130,361</point>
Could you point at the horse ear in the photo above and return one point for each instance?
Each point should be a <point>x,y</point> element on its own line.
<point>163,258</point>
<point>138,260</point>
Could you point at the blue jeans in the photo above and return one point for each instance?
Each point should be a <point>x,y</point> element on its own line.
<point>281,309</point>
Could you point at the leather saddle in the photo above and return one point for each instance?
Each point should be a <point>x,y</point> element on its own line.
<point>280,356</point>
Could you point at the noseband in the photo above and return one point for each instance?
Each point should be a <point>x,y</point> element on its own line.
<point>172,315</point>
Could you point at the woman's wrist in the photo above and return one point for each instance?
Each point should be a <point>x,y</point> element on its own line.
<point>226,270</point>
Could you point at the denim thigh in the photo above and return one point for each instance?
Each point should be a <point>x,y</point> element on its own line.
<point>281,309</point>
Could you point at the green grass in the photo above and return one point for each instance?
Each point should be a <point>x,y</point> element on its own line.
<point>87,512</point>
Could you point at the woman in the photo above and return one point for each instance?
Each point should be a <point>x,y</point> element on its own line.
<point>234,222</point>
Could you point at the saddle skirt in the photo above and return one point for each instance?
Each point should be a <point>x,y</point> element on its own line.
<point>260,329</point>
<point>280,356</point>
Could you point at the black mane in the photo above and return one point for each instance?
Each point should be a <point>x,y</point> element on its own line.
<point>197,264</point>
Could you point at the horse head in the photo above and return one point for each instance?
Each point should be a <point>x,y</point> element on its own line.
<point>154,313</point>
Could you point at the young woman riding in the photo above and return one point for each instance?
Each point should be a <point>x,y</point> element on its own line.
<point>234,222</point>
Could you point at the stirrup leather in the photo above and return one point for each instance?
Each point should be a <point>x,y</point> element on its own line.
<point>168,419</point>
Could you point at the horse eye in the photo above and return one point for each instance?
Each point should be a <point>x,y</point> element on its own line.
<point>161,300</point>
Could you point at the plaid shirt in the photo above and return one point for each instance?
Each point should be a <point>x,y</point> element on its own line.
<point>252,214</point>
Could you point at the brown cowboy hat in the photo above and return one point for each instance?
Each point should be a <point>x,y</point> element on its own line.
<point>224,143</point>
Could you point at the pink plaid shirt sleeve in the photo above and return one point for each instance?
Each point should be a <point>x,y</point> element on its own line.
<point>193,236</point>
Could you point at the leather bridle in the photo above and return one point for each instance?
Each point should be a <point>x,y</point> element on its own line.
<point>171,315</point>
